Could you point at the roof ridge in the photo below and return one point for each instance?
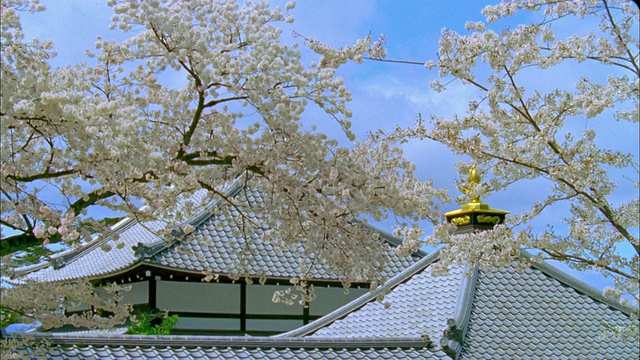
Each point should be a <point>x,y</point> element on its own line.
<point>227,341</point>
<point>148,250</point>
<point>364,299</point>
<point>454,333</point>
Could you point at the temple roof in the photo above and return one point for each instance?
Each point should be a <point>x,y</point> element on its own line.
<point>541,312</point>
<point>417,305</point>
<point>536,312</point>
<point>506,313</point>
<point>100,258</point>
<point>214,246</point>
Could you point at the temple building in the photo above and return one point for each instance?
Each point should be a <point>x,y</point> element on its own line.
<point>538,312</point>
<point>215,280</point>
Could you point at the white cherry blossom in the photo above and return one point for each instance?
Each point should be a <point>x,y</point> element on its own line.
<point>118,131</point>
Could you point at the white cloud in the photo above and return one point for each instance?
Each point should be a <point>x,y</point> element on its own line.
<point>418,93</point>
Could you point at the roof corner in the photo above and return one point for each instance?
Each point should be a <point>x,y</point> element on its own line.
<point>453,335</point>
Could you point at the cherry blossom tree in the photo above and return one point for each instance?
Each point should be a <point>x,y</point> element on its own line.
<point>520,130</point>
<point>200,93</point>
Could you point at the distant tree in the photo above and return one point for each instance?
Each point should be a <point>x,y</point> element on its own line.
<point>520,134</point>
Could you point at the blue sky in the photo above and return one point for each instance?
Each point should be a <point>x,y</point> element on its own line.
<point>384,95</point>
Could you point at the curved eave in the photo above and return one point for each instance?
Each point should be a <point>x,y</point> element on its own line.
<point>115,273</point>
<point>73,254</point>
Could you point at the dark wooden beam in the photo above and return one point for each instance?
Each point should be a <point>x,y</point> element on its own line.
<point>152,292</point>
<point>305,313</point>
<point>243,306</point>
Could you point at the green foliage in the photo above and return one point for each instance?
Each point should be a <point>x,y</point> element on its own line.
<point>32,255</point>
<point>108,221</point>
<point>142,324</point>
<point>8,317</point>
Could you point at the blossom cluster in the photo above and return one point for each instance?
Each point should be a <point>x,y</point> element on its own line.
<point>523,133</point>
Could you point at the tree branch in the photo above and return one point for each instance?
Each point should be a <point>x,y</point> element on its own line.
<point>555,255</point>
<point>621,42</point>
<point>394,61</point>
<point>18,242</point>
<point>45,175</point>
<point>604,208</point>
<point>90,199</point>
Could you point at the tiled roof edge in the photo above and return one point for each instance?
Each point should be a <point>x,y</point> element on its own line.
<point>364,299</point>
<point>453,335</point>
<point>65,257</point>
<point>284,279</point>
<point>18,272</point>
<point>62,261</point>
<point>228,341</point>
<point>576,284</point>
<point>393,240</point>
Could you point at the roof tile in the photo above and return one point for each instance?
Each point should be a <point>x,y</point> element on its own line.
<point>214,247</point>
<point>417,307</point>
<point>102,256</point>
<point>528,314</point>
<point>224,352</point>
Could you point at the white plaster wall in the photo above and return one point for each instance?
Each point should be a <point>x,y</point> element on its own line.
<point>198,297</point>
<point>139,293</point>
<point>260,301</point>
<point>331,298</point>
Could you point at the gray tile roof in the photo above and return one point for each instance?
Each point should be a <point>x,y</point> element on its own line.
<point>420,306</point>
<point>502,314</point>
<point>216,245</point>
<point>163,352</point>
<point>182,347</point>
<point>537,313</point>
<point>532,314</point>
<point>102,256</point>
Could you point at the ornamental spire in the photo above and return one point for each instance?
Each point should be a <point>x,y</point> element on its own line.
<point>475,215</point>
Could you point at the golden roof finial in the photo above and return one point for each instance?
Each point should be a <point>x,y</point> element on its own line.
<point>472,187</point>
<point>474,182</point>
<point>475,214</point>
